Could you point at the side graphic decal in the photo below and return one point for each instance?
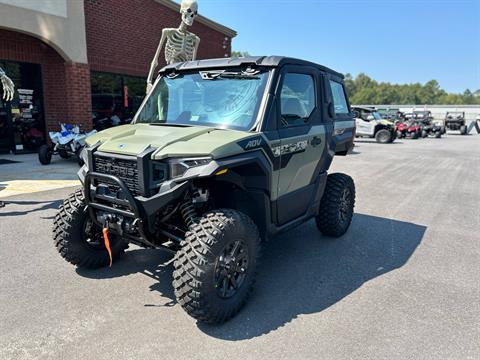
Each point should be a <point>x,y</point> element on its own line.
<point>279,155</point>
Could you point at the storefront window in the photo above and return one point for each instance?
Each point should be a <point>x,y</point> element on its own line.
<point>22,122</point>
<point>115,97</point>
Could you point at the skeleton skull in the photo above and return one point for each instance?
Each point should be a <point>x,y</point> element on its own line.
<point>189,11</point>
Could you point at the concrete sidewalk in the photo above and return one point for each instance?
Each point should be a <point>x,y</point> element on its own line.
<point>27,175</point>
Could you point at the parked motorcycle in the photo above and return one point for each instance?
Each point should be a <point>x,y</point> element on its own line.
<point>66,143</point>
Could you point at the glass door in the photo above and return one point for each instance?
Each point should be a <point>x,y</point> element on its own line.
<point>23,118</point>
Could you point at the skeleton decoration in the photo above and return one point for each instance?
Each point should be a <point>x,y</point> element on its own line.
<point>180,44</point>
<point>8,86</point>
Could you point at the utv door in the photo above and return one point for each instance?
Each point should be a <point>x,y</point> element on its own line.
<point>344,123</point>
<point>364,127</point>
<point>302,141</point>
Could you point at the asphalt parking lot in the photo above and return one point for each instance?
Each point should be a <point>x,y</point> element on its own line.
<point>403,283</point>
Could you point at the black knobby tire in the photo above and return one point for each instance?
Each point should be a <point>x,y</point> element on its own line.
<point>44,155</point>
<point>438,134</point>
<point>79,158</point>
<point>463,130</point>
<point>70,226</point>
<point>415,135</point>
<point>197,280</point>
<point>336,207</point>
<point>64,154</point>
<point>424,134</point>
<point>383,136</point>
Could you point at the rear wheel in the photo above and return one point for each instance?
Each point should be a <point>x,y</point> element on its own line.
<point>424,134</point>
<point>215,268</point>
<point>44,155</point>
<point>78,240</point>
<point>463,130</point>
<point>438,134</point>
<point>336,207</point>
<point>383,136</point>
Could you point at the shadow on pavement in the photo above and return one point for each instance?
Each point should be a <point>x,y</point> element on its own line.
<point>301,272</point>
<point>156,264</point>
<point>304,273</point>
<point>372,141</point>
<point>45,205</point>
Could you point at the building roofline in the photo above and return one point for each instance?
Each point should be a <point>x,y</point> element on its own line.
<point>201,19</point>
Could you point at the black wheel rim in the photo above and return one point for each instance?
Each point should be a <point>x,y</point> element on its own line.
<point>231,269</point>
<point>92,235</point>
<point>345,205</point>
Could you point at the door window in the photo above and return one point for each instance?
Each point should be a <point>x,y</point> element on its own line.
<point>339,99</point>
<point>297,99</point>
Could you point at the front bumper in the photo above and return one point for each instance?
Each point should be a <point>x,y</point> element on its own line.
<point>123,203</point>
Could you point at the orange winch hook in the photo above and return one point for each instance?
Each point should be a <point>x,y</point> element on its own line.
<point>107,244</point>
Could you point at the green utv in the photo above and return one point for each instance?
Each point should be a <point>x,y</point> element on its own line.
<point>221,154</point>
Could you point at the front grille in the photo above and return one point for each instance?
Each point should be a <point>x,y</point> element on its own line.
<point>125,169</point>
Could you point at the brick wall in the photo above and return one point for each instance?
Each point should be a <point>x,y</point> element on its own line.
<point>78,92</point>
<point>122,35</point>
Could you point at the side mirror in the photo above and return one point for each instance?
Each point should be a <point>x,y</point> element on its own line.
<point>331,110</point>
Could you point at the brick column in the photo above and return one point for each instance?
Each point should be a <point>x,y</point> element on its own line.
<point>78,95</point>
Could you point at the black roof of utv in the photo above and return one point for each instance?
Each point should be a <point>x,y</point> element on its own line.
<point>267,61</point>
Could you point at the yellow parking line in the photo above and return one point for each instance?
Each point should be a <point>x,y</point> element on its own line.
<point>17,187</point>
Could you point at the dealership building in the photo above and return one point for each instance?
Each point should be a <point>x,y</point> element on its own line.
<point>73,61</point>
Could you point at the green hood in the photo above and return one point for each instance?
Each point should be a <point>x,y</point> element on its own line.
<point>170,141</point>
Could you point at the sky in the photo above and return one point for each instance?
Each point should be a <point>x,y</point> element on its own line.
<point>397,41</point>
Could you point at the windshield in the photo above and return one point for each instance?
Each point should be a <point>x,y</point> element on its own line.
<point>217,99</point>
<point>376,115</point>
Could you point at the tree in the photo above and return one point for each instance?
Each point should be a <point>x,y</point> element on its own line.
<point>365,90</point>
<point>240,53</point>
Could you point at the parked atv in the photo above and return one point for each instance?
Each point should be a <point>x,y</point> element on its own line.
<point>207,178</point>
<point>429,128</point>
<point>408,129</point>
<point>370,124</point>
<point>68,142</point>
<point>426,118</point>
<point>456,121</point>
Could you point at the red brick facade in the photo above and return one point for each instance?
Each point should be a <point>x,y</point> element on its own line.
<point>122,36</point>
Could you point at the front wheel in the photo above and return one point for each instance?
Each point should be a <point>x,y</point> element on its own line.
<point>463,130</point>
<point>438,134</point>
<point>336,207</point>
<point>78,152</point>
<point>383,136</point>
<point>44,155</point>
<point>216,265</point>
<point>78,240</point>
<point>424,134</point>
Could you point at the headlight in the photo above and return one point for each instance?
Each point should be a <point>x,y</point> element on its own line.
<point>178,167</point>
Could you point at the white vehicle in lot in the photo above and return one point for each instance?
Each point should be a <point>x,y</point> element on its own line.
<point>370,124</point>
